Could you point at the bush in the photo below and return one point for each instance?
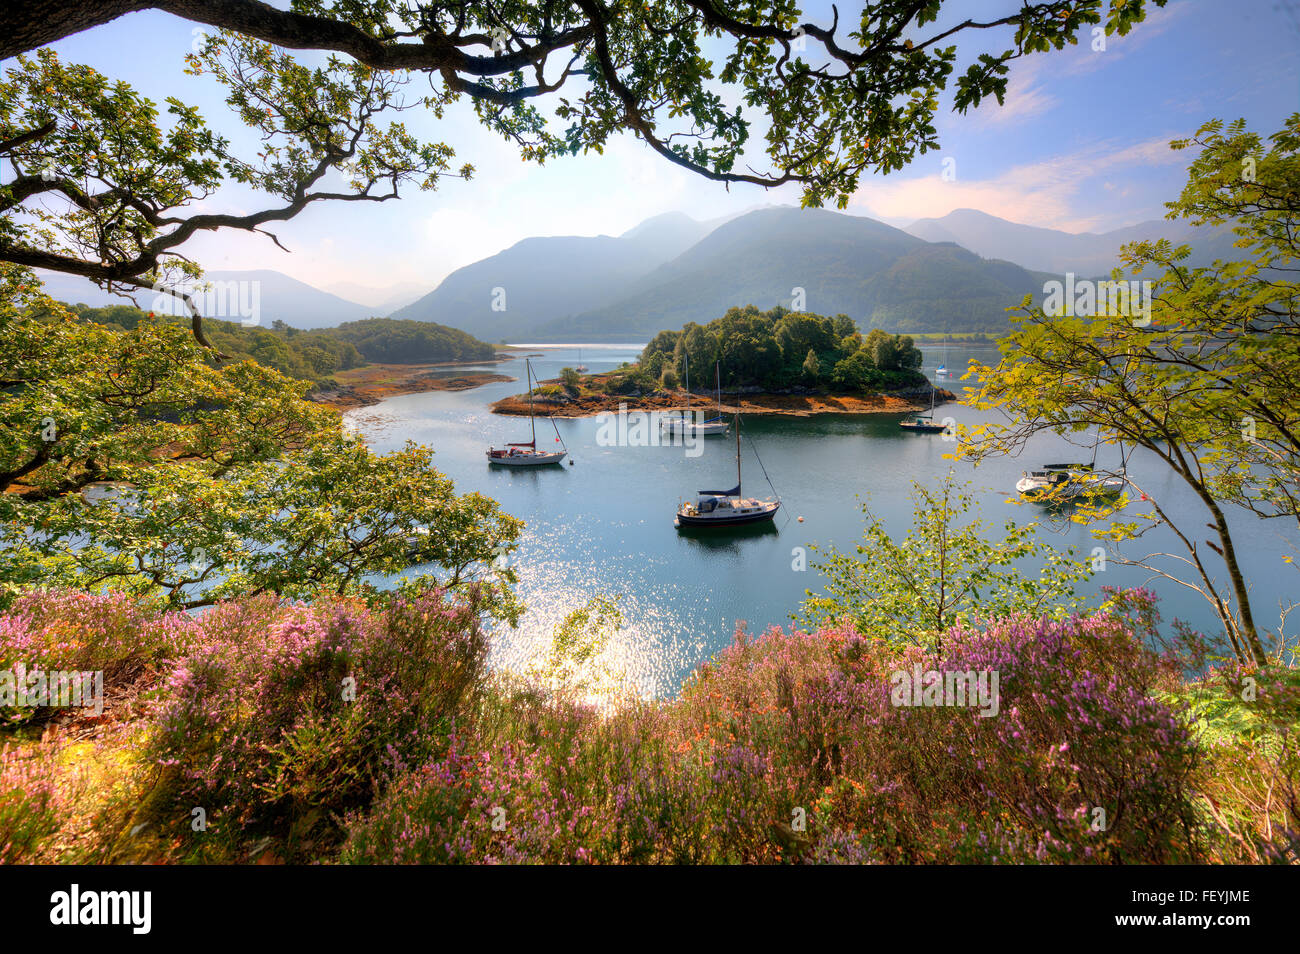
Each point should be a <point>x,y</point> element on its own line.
<point>789,748</point>
<point>70,631</point>
<point>290,715</point>
<point>29,804</point>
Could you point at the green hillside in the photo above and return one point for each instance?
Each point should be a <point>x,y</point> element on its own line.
<point>878,275</point>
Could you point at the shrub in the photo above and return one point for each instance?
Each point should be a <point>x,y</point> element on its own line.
<point>67,630</point>
<point>789,748</point>
<point>290,715</point>
<point>29,804</point>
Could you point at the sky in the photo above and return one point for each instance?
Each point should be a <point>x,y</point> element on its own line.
<point>1081,144</point>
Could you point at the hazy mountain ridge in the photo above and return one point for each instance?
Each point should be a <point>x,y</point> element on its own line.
<point>540,279</point>
<point>877,274</point>
<point>956,273</point>
<point>1051,250</point>
<point>278,298</point>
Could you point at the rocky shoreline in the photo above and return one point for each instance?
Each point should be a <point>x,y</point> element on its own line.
<point>747,401</point>
<point>373,383</point>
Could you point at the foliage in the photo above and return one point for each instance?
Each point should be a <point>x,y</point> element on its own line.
<point>313,355</point>
<point>29,804</point>
<point>1245,720</point>
<point>779,349</point>
<point>284,716</point>
<point>387,340</point>
<point>788,749</point>
<point>1206,385</point>
<point>225,481</point>
<point>100,188</point>
<point>69,631</point>
<point>945,571</point>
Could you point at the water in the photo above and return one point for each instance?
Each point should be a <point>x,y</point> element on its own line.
<point>605,524</point>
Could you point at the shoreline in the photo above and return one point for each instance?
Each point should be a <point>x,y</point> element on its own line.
<point>791,405</point>
<point>373,383</point>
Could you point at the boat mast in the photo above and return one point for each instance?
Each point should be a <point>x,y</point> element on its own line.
<point>737,454</point>
<point>686,357</point>
<point>718,384</point>
<point>532,425</point>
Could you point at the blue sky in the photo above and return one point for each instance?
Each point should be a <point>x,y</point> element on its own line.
<point>1080,145</point>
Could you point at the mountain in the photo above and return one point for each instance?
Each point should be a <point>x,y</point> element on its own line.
<point>538,280</point>
<point>380,300</point>
<point>1051,250</point>
<point>879,275</point>
<point>277,297</point>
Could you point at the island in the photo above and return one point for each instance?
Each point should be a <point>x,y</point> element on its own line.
<point>762,362</point>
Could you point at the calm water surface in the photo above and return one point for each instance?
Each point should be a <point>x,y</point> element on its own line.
<point>605,524</point>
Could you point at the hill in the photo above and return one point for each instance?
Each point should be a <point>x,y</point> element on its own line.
<point>533,283</point>
<point>878,275</point>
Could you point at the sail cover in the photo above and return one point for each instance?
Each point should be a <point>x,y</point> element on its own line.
<point>733,492</point>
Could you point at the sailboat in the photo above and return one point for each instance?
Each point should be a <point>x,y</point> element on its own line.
<point>525,453</point>
<point>942,370</point>
<point>684,424</point>
<point>924,423</point>
<point>1062,483</point>
<point>726,508</point>
<point>580,366</point>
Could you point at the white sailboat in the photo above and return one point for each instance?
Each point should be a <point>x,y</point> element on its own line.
<point>685,424</point>
<point>525,453</point>
<point>924,423</point>
<point>942,371</point>
<point>580,366</point>
<point>1066,483</point>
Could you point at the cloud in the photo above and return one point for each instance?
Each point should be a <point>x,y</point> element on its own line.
<point>1024,97</point>
<point>1027,95</point>
<point>1044,193</point>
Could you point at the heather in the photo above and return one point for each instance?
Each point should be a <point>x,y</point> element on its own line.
<point>336,730</point>
<point>66,630</point>
<point>286,715</point>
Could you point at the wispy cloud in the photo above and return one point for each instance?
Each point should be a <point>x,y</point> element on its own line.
<point>1053,192</point>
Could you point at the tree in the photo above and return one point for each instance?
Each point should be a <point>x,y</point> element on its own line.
<point>810,367</point>
<point>219,481</point>
<point>1205,381</point>
<point>941,573</point>
<point>863,100</point>
<point>99,187</point>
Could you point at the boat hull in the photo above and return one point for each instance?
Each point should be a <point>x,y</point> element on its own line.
<point>677,426</point>
<point>916,428</point>
<point>525,460</point>
<point>1070,490</point>
<point>716,519</point>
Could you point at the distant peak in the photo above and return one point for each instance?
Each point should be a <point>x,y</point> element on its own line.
<point>675,217</point>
